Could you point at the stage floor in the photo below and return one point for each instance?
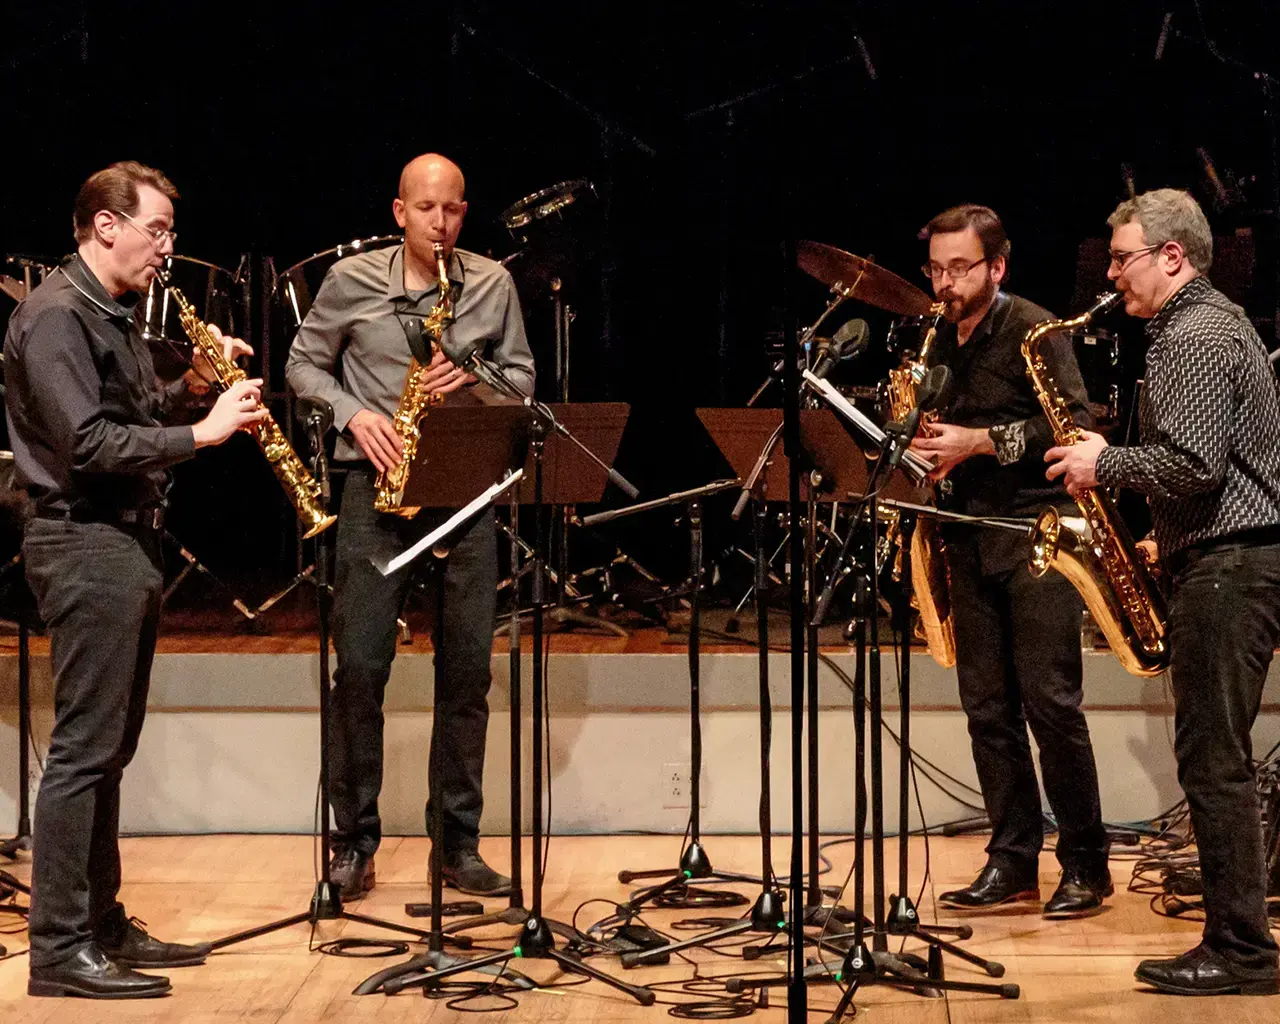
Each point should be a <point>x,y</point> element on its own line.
<point>201,887</point>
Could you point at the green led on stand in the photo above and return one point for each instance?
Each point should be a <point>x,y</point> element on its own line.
<point>518,952</point>
<point>688,873</point>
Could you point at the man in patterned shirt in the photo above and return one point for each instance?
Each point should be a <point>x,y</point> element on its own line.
<point>1017,638</point>
<point>1209,464</point>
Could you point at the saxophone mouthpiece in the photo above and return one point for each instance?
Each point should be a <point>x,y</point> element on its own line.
<point>1104,304</point>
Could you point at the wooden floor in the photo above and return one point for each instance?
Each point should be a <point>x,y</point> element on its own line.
<point>196,888</point>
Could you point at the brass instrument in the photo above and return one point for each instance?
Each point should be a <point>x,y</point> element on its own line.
<point>298,484</point>
<point>413,403</point>
<point>932,596</point>
<point>1096,552</point>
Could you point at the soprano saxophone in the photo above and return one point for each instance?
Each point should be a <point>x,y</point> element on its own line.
<point>1095,552</point>
<point>929,582</point>
<point>413,403</point>
<point>300,487</point>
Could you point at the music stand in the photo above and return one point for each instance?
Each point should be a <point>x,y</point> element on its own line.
<point>576,480</point>
<point>599,426</point>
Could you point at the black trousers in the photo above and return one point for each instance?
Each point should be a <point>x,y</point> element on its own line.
<point>1224,627</point>
<point>1019,664</point>
<point>366,605</point>
<point>98,588</point>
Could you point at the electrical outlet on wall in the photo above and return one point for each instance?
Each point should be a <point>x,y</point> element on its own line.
<point>677,784</point>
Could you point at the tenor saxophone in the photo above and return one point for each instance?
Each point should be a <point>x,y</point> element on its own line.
<point>1094,551</point>
<point>300,487</point>
<point>929,583</point>
<point>413,404</point>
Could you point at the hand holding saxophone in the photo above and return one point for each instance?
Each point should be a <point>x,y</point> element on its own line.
<point>948,445</point>
<point>377,438</point>
<point>237,408</point>
<point>441,376</point>
<point>1076,463</point>
<point>200,378</point>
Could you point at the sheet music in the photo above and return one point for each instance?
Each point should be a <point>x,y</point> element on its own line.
<point>445,528</point>
<point>916,467</point>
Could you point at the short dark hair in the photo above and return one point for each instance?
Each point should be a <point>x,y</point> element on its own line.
<point>982,219</point>
<point>116,188</point>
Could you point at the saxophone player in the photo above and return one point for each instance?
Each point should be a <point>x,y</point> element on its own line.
<point>1209,463</point>
<point>90,448</point>
<point>1018,658</point>
<point>357,330</point>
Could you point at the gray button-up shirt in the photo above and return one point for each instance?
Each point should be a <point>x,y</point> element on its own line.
<point>360,317</point>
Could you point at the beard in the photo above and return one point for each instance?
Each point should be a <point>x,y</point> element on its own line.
<point>959,308</point>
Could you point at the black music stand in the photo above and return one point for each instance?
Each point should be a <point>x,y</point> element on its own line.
<point>577,480</point>
<point>599,426</point>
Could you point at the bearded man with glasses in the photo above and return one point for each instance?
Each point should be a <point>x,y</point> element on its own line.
<point>1018,657</point>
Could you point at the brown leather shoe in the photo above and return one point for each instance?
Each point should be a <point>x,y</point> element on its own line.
<point>1203,972</point>
<point>994,887</point>
<point>465,871</point>
<point>90,974</point>
<point>353,872</point>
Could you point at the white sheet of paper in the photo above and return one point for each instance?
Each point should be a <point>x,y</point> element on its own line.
<point>917,467</point>
<point>443,530</point>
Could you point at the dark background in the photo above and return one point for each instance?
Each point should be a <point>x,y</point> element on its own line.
<point>708,130</point>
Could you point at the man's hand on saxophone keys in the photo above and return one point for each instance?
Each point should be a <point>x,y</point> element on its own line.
<point>441,376</point>
<point>947,445</point>
<point>201,376</point>
<point>1076,463</point>
<point>377,438</point>
<point>237,408</point>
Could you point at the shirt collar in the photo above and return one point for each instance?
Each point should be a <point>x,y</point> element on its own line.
<point>91,288</point>
<point>987,324</point>
<point>1195,289</point>
<point>395,274</point>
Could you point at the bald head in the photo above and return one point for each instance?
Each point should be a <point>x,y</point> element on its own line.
<point>431,172</point>
<point>430,208</point>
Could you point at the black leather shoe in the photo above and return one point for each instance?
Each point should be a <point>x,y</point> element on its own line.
<point>353,873</point>
<point>124,940</point>
<point>90,974</point>
<point>995,887</point>
<point>1202,972</point>
<point>1079,894</point>
<point>466,872</point>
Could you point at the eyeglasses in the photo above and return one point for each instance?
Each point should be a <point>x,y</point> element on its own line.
<point>955,271</point>
<point>1120,257</point>
<point>158,235</point>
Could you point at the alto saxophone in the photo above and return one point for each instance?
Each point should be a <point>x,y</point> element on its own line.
<point>1095,552</point>
<point>413,403</point>
<point>929,583</point>
<point>298,484</point>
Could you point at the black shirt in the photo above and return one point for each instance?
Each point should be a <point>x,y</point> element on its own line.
<point>1209,461</point>
<point>990,388</point>
<point>83,404</point>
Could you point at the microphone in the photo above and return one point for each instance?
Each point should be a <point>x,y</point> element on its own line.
<point>928,397</point>
<point>315,413</point>
<point>848,342</point>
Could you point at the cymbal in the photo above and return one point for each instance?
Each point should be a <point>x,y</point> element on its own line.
<point>862,279</point>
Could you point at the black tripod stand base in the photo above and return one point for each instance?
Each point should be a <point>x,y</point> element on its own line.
<point>10,848</point>
<point>419,970</point>
<point>8,881</point>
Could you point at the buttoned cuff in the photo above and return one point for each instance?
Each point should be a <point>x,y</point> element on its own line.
<point>344,407</point>
<point>179,443</point>
<point>1009,440</point>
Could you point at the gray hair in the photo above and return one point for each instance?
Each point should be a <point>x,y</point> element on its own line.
<point>1170,215</point>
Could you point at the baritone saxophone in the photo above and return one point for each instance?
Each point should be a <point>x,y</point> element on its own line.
<point>299,485</point>
<point>413,405</point>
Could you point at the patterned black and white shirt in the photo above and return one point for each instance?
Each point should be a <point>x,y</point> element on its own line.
<point>1209,461</point>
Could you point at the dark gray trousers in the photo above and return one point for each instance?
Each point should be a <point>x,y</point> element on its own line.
<point>98,588</point>
<point>1224,627</point>
<point>1019,664</point>
<point>366,605</point>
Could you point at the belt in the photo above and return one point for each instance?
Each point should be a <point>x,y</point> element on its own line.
<point>149,517</point>
<point>1256,537</point>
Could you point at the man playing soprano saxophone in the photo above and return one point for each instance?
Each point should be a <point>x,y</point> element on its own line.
<point>1209,464</point>
<point>1017,638</point>
<point>85,419</point>
<point>359,320</point>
